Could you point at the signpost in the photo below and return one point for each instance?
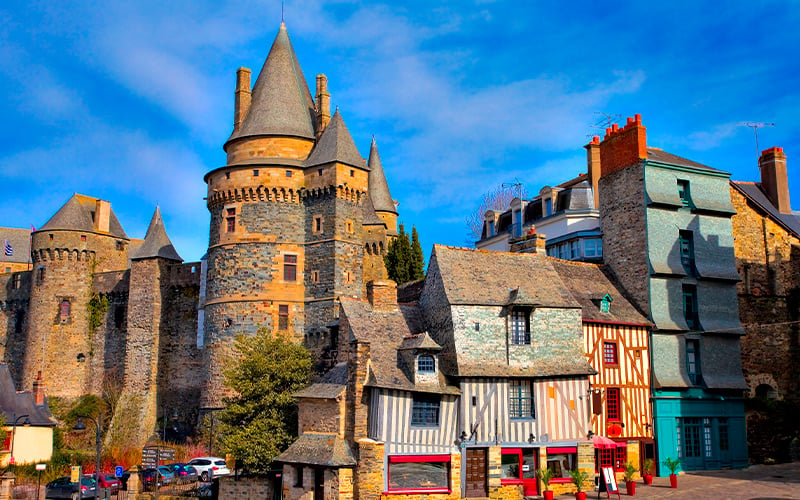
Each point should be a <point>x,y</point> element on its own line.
<point>39,469</point>
<point>152,457</point>
<point>118,471</point>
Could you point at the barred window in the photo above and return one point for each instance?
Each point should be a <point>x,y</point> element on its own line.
<point>425,410</point>
<point>612,403</point>
<point>283,317</point>
<point>426,364</point>
<point>520,328</point>
<point>610,356</point>
<point>290,267</point>
<point>521,399</point>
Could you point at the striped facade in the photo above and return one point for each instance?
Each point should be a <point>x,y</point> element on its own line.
<point>631,374</point>
<point>390,422</point>
<point>561,411</point>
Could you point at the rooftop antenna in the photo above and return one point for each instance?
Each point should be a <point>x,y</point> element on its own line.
<point>604,121</point>
<point>755,126</point>
<point>282,10</point>
<point>516,185</point>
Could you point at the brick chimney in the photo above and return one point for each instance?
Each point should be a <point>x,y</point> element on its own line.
<point>102,215</point>
<point>774,179</point>
<point>530,243</point>
<point>593,167</point>
<point>38,390</point>
<point>242,97</point>
<point>382,294</point>
<point>623,147</point>
<point>323,104</point>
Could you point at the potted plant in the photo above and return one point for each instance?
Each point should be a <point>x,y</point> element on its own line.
<point>630,484</point>
<point>646,471</point>
<point>672,465</point>
<point>579,479</point>
<point>545,475</point>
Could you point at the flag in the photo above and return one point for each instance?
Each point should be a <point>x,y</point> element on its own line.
<point>9,250</point>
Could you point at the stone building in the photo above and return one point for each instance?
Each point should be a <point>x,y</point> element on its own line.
<point>298,219</point>
<point>668,239</point>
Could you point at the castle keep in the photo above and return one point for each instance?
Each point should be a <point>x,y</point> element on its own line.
<point>298,219</point>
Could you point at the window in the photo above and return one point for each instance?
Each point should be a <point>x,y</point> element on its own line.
<point>612,403</point>
<point>348,226</point>
<point>605,304</point>
<point>16,280</point>
<point>227,175</point>
<point>425,410</point>
<point>690,306</point>
<point>693,361</point>
<point>319,172</point>
<point>119,316</point>
<point>591,247</point>
<point>290,267</point>
<point>64,308</point>
<point>426,364</point>
<point>315,276</point>
<point>40,275</point>
<point>83,237</point>
<point>561,461</point>
<point>408,473</point>
<point>722,431</point>
<point>317,224</point>
<point>574,249</point>
<point>687,251</point>
<point>605,458</point>
<point>548,206</point>
<point>20,320</point>
<point>620,458</point>
<point>520,404</point>
<point>298,476</point>
<point>120,246</point>
<point>517,226</point>
<point>683,192</point>
<point>563,251</point>
<point>255,173</point>
<point>283,317</point>
<point>520,328</point>
<point>610,353</point>
<point>690,433</point>
<point>230,219</point>
<point>288,173</point>
<point>352,173</point>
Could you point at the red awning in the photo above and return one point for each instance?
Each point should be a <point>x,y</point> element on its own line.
<point>622,444</point>
<point>603,443</point>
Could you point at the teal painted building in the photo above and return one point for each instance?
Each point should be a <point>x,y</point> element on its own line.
<point>668,238</point>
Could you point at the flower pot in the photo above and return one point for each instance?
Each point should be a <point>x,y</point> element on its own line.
<point>673,480</point>
<point>581,495</point>
<point>648,479</point>
<point>631,487</point>
<point>548,495</point>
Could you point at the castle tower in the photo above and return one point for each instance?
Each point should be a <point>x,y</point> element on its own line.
<point>382,201</point>
<point>82,239</point>
<point>149,283</point>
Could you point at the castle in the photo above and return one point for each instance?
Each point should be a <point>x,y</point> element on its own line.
<point>298,219</point>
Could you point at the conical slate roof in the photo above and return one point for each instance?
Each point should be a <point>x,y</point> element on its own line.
<point>281,103</point>
<point>378,187</point>
<point>336,144</point>
<point>76,215</point>
<point>156,242</point>
<point>369,217</point>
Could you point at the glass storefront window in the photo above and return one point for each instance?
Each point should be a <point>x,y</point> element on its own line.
<point>419,473</point>
<point>561,461</point>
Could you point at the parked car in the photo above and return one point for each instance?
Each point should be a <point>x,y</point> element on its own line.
<point>210,466</point>
<point>111,483</point>
<point>184,473</point>
<point>148,478</point>
<point>64,488</point>
<point>167,475</point>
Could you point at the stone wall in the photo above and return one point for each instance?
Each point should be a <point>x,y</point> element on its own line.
<point>14,316</point>
<point>245,488</point>
<point>319,415</point>
<point>622,222</point>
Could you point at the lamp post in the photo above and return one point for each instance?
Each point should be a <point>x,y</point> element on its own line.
<point>210,411</point>
<point>98,426</point>
<point>14,432</point>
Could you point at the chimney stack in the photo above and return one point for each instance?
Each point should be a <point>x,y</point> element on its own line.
<point>530,243</point>
<point>623,147</point>
<point>774,179</point>
<point>102,216</point>
<point>38,390</point>
<point>323,104</point>
<point>593,167</point>
<point>242,97</point>
<point>382,295</point>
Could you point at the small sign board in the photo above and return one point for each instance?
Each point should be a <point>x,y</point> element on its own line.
<point>118,471</point>
<point>153,455</point>
<point>41,466</point>
<point>608,481</point>
<point>74,473</point>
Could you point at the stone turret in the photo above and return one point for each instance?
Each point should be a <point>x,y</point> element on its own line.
<point>385,206</point>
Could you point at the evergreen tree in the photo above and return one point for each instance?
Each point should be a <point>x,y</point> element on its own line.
<point>260,421</point>
<point>417,270</point>
<point>404,260</point>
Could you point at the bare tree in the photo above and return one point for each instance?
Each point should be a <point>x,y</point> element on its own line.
<point>498,199</point>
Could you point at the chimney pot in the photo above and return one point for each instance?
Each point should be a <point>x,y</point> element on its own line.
<point>242,97</point>
<point>623,148</point>
<point>38,390</point>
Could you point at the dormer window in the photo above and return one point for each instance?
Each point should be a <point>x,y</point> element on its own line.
<point>683,193</point>
<point>520,327</point>
<point>605,303</point>
<point>426,364</point>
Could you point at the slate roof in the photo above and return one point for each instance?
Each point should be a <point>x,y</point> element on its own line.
<point>77,214</point>
<point>156,242</point>
<point>326,450</point>
<point>378,186</point>
<point>20,241</point>
<point>370,218</point>
<point>483,277</point>
<point>385,331</point>
<point>659,155</point>
<point>753,192</point>
<point>420,341</point>
<point>589,283</point>
<point>410,292</point>
<point>321,391</point>
<point>336,144</point>
<point>21,403</point>
<point>281,103</point>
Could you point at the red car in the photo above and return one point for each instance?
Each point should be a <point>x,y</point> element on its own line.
<point>111,483</point>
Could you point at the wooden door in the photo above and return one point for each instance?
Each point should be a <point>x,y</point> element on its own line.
<point>319,483</point>
<point>475,483</point>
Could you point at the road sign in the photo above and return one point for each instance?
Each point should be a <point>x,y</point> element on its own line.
<point>153,455</point>
<point>118,471</point>
<point>74,473</point>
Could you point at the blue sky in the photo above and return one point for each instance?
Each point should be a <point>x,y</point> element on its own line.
<point>132,101</point>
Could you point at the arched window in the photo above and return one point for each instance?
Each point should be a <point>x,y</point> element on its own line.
<point>426,364</point>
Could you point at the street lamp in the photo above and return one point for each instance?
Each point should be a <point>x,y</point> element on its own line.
<point>98,426</point>
<point>210,411</point>
<point>26,423</point>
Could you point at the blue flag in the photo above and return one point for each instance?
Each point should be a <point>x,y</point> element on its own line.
<point>9,249</point>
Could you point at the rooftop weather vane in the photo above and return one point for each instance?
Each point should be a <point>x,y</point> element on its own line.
<point>755,126</point>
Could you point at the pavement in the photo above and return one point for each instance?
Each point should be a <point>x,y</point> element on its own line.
<point>757,482</point>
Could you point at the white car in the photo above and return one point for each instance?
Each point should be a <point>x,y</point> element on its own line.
<point>208,467</point>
